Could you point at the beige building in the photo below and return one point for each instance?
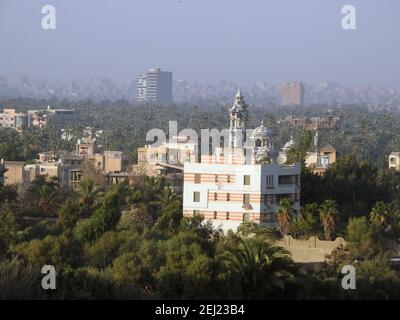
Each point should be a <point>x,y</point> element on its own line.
<point>292,94</point>
<point>12,119</point>
<point>15,174</point>
<point>394,161</point>
<point>320,161</point>
<point>176,152</point>
<point>67,167</point>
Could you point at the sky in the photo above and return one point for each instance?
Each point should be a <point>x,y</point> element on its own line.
<point>203,40</point>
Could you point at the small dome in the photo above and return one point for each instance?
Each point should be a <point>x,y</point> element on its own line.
<point>262,131</point>
<point>290,144</point>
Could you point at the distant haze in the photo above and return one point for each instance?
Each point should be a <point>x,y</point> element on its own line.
<point>206,40</point>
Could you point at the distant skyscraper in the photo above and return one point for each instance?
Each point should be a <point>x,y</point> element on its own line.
<point>155,86</point>
<point>292,93</point>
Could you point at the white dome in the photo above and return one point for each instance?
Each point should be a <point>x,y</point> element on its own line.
<point>290,144</point>
<point>262,131</point>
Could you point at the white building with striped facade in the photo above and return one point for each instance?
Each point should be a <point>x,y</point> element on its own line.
<point>237,184</point>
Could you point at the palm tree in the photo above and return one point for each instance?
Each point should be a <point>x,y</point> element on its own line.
<point>88,191</point>
<point>285,216</point>
<point>47,198</point>
<point>166,198</point>
<point>329,215</point>
<point>262,267</point>
<point>380,213</point>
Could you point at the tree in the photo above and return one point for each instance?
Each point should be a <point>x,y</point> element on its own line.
<point>68,215</point>
<point>380,213</point>
<point>329,217</point>
<point>88,191</point>
<point>285,216</point>
<point>262,268</point>
<point>47,198</point>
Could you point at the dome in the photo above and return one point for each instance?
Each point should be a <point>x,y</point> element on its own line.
<point>262,131</point>
<point>290,144</point>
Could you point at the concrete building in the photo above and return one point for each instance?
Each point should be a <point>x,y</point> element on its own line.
<point>67,167</point>
<point>292,94</point>
<point>12,119</point>
<point>394,161</point>
<point>241,182</point>
<point>39,118</point>
<point>154,86</point>
<point>177,151</point>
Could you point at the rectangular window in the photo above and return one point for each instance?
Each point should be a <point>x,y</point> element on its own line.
<point>227,216</point>
<point>246,198</point>
<point>215,215</point>
<point>196,212</point>
<point>216,178</point>
<point>228,178</point>
<point>228,197</point>
<point>270,180</point>
<point>196,196</point>
<point>246,180</point>
<point>246,217</point>
<point>215,196</point>
<point>197,178</point>
<point>286,180</point>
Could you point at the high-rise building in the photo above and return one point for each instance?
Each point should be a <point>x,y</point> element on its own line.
<point>292,94</point>
<point>155,86</point>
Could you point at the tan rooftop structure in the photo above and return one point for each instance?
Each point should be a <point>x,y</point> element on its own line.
<point>394,161</point>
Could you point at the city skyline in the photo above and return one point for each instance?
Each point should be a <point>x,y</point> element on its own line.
<point>280,41</point>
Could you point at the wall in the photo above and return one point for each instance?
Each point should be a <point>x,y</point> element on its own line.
<point>311,250</point>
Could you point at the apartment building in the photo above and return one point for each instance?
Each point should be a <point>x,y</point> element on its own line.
<point>292,94</point>
<point>240,183</point>
<point>154,86</point>
<point>12,119</point>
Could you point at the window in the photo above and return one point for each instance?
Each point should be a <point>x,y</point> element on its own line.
<point>215,196</point>
<point>215,214</point>
<point>246,217</point>
<point>246,198</point>
<point>227,216</point>
<point>42,169</point>
<point>393,160</point>
<point>228,178</point>
<point>286,180</point>
<point>270,180</point>
<point>246,180</point>
<point>196,212</point>
<point>216,178</point>
<point>197,178</point>
<point>228,197</point>
<point>196,196</point>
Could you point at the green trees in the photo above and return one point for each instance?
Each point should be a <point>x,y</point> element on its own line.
<point>261,267</point>
<point>105,217</point>
<point>329,218</point>
<point>88,192</point>
<point>285,216</point>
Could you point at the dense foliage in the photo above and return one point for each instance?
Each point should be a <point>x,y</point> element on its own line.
<point>125,242</point>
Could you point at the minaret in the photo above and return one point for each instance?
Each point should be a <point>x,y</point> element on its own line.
<point>238,117</point>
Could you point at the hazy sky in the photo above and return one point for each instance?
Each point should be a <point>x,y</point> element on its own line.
<point>241,40</point>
